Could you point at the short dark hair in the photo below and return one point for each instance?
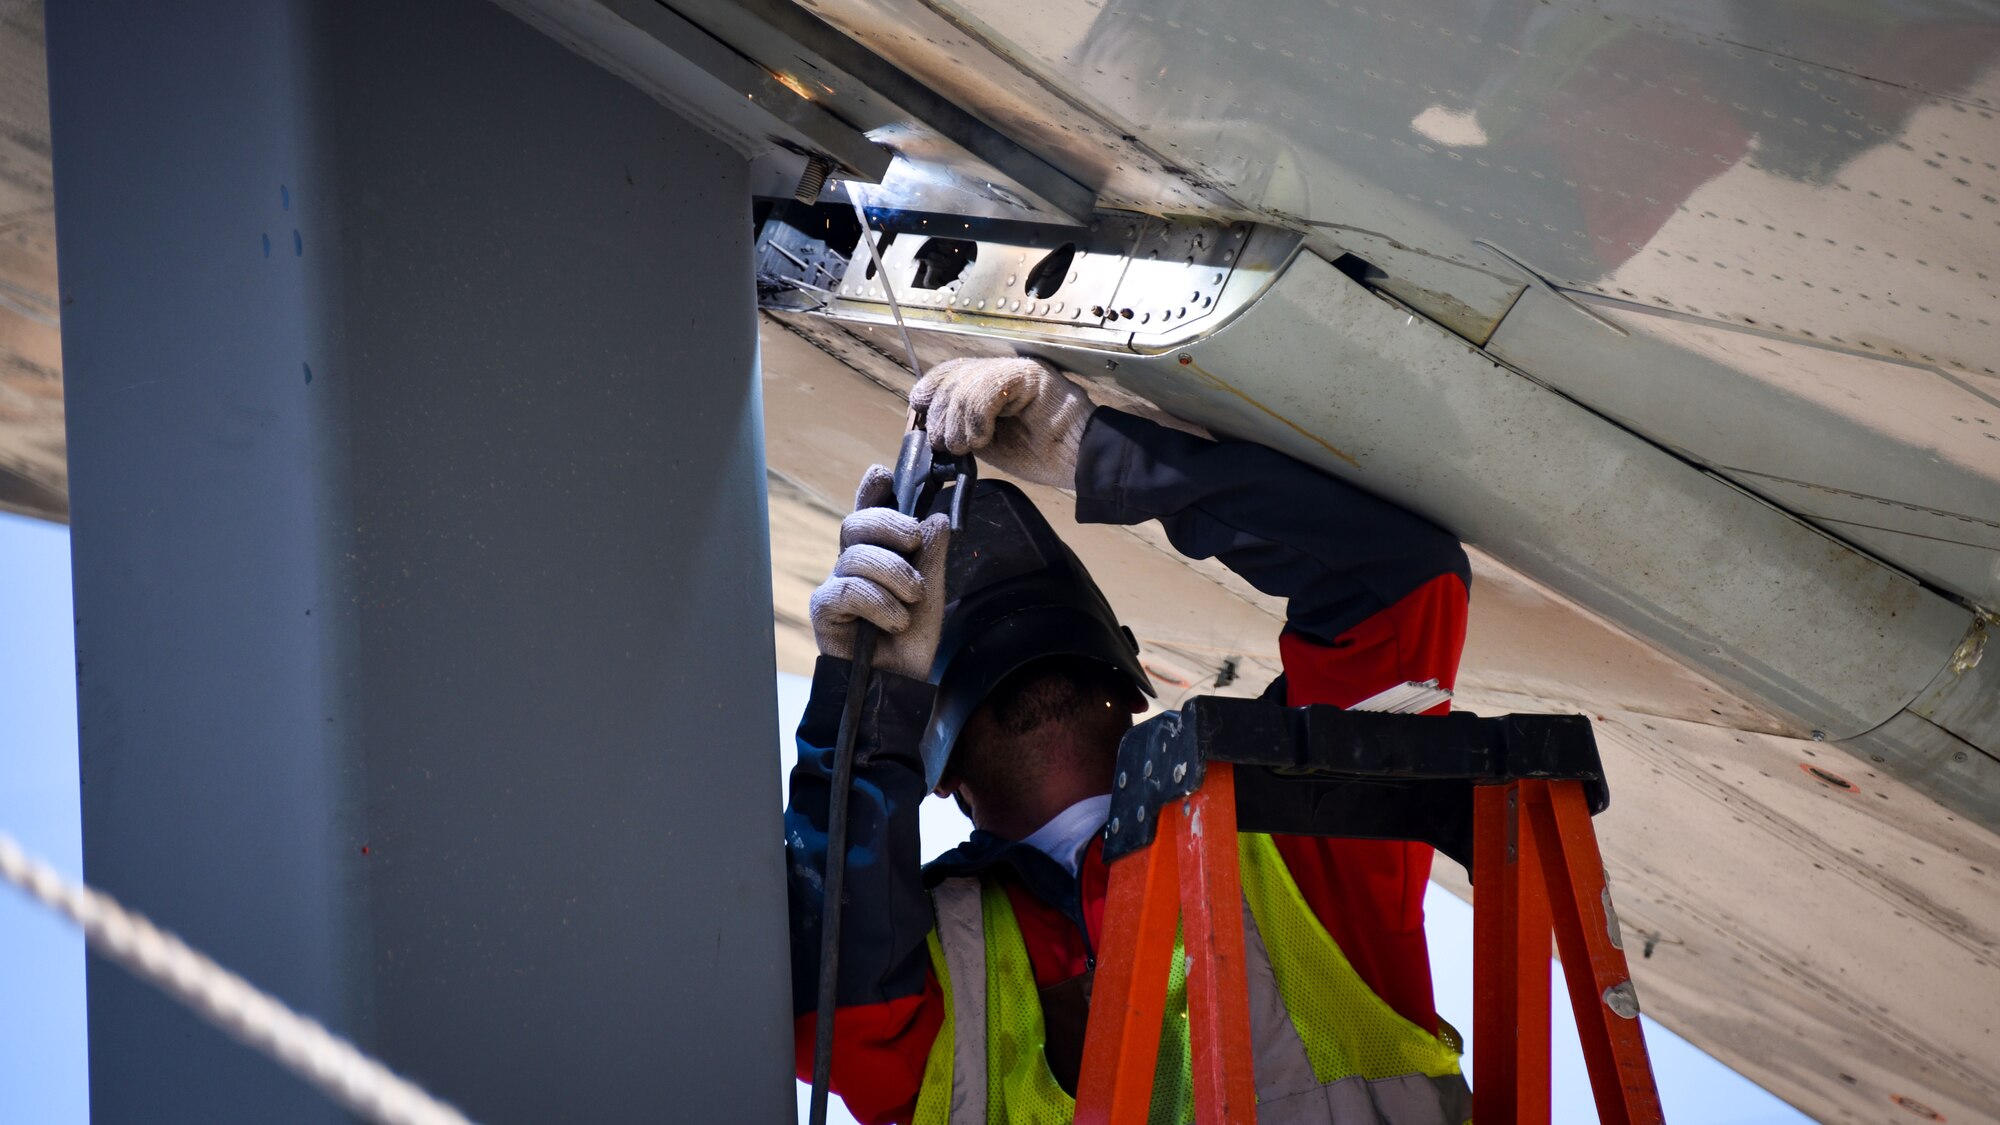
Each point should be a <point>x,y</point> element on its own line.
<point>1057,705</point>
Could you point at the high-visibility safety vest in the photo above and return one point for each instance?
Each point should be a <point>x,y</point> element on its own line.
<point>1327,1049</point>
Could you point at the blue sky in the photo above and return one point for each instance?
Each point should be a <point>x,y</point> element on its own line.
<point>42,1046</point>
<point>42,1075</point>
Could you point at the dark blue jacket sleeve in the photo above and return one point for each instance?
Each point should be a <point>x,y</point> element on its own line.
<point>1338,553</point>
<point>887,913</point>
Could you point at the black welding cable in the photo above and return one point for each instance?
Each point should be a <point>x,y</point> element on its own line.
<point>836,865</point>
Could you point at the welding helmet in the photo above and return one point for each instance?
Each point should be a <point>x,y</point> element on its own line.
<point>1018,595</point>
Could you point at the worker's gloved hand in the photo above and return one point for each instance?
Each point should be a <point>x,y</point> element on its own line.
<point>1019,415</point>
<point>890,572</point>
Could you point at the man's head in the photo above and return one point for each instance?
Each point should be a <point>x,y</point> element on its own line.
<point>1020,604</point>
<point>1043,739</point>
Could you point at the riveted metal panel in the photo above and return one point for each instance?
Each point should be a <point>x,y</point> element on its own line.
<point>1132,281</point>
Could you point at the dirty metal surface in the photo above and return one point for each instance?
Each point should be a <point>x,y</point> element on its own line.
<point>683,66</point>
<point>1903,458</point>
<point>1470,300</point>
<point>1829,638</point>
<point>963,58</point>
<point>1331,374</point>
<point>34,476</point>
<point>1826,181</point>
<point>940,142</point>
<point>1774,165</point>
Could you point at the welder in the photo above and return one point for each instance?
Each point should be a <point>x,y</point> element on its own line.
<point>1004,680</point>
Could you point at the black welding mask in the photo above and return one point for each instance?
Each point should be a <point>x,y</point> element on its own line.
<point>1018,595</point>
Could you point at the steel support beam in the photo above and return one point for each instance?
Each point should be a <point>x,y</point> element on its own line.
<point>423,626</point>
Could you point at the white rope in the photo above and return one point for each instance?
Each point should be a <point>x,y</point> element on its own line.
<point>325,1060</point>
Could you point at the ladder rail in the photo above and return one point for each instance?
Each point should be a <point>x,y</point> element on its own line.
<point>1225,1085</point>
<point>1121,1042</point>
<point>1510,974</point>
<point>1538,870</point>
<point>1594,966</point>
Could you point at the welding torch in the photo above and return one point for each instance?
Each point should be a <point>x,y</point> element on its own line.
<point>919,477</point>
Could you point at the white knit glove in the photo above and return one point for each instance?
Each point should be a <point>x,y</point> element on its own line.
<point>890,572</point>
<point>1020,415</point>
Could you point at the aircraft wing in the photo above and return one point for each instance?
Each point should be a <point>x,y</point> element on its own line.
<point>1682,316</point>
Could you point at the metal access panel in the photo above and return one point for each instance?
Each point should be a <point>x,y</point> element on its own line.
<point>1122,280</point>
<point>423,612</point>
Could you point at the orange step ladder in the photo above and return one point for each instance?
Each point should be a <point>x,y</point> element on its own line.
<point>1527,787</point>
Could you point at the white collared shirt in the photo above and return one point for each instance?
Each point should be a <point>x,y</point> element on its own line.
<point>1070,831</point>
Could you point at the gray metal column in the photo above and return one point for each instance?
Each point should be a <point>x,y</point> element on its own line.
<point>423,620</point>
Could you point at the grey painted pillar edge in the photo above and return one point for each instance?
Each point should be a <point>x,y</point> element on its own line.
<point>423,633</point>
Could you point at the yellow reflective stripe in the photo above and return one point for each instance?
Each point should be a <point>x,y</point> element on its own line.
<point>934,1096</point>
<point>1019,1088</point>
<point>1346,1028</point>
<point>1347,1031</point>
<point>1025,1092</point>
